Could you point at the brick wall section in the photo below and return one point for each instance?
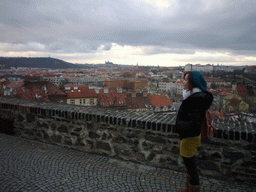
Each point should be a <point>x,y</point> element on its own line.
<point>145,138</point>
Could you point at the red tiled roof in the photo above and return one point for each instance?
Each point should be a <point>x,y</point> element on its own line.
<point>218,115</point>
<point>214,92</point>
<point>83,91</point>
<point>14,85</point>
<point>179,82</point>
<point>138,102</point>
<point>85,72</point>
<point>234,102</point>
<point>251,68</point>
<point>242,90</point>
<point>224,93</point>
<point>220,87</point>
<point>110,99</point>
<point>54,90</point>
<point>213,79</point>
<point>33,89</point>
<point>102,70</point>
<point>159,100</point>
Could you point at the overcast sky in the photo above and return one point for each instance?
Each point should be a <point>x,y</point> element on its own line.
<point>147,32</point>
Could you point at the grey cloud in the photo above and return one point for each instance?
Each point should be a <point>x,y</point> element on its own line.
<point>164,50</point>
<point>86,26</point>
<point>107,47</point>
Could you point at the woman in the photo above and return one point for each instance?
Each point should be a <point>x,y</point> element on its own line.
<point>189,119</point>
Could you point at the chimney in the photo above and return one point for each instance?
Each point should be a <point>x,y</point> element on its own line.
<point>106,90</point>
<point>119,90</point>
<point>134,94</point>
<point>97,91</point>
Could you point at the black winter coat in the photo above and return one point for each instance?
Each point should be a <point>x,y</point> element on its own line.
<point>191,114</point>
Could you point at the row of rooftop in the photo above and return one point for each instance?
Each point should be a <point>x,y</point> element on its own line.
<point>138,88</point>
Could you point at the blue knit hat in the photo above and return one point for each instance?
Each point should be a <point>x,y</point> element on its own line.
<point>198,79</point>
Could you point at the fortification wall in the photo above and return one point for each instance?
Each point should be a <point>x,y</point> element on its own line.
<point>144,138</point>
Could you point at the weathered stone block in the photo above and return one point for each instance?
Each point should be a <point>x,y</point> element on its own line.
<point>78,130</point>
<point>249,164</point>
<point>104,136</point>
<point>162,160</point>
<point>103,145</point>
<point>38,124</point>
<point>66,120</point>
<point>56,138</point>
<point>79,142</point>
<point>20,126</point>
<point>216,142</point>
<point>62,128</point>
<point>45,125</point>
<point>30,117</point>
<point>132,135</point>
<point>68,141</point>
<point>233,155</point>
<point>147,145</point>
<point>158,149</point>
<point>173,136</point>
<point>226,167</point>
<point>93,135</point>
<point>216,156</point>
<point>175,150</point>
<point>208,165</point>
<point>155,139</point>
<point>20,118</point>
<point>123,149</point>
<point>45,135</point>
<point>172,161</point>
<point>141,157</point>
<point>89,125</point>
<point>133,142</point>
<point>203,155</point>
<point>151,156</point>
<point>53,126</point>
<point>250,147</point>
<point>110,136</point>
<point>74,134</point>
<point>119,139</point>
<point>89,143</point>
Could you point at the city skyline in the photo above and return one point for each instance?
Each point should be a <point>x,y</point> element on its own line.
<point>147,32</point>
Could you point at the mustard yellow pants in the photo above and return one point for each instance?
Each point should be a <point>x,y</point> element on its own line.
<point>188,146</point>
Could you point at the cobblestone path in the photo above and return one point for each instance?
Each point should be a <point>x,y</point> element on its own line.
<point>28,165</point>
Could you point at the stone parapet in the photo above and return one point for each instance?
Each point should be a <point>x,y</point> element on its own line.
<point>145,138</point>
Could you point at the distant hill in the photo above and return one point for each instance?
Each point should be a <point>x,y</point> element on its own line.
<point>37,62</point>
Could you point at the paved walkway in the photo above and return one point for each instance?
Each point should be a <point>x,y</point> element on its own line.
<point>27,165</point>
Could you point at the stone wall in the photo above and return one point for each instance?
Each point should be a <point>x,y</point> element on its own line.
<point>115,134</point>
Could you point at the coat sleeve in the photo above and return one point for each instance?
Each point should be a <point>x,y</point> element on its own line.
<point>194,113</point>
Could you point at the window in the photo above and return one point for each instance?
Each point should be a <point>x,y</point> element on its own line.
<point>72,101</point>
<point>102,103</point>
<point>83,101</point>
<point>80,101</point>
<point>121,102</point>
<point>91,101</point>
<point>111,103</point>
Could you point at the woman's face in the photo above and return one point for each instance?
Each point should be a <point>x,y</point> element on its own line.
<point>186,83</point>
